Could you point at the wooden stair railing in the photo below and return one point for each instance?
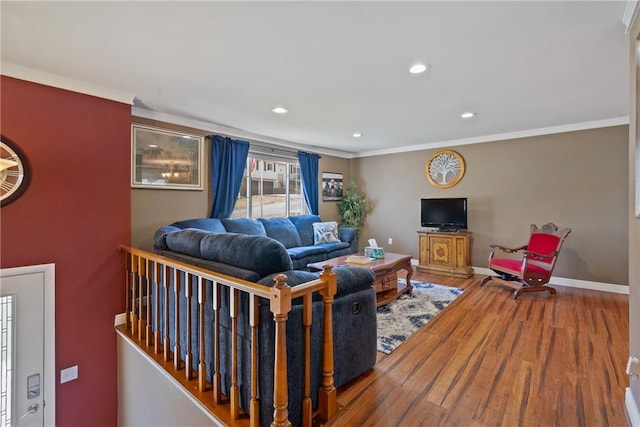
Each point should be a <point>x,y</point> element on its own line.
<point>146,273</point>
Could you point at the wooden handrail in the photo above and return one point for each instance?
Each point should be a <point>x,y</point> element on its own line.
<point>147,323</point>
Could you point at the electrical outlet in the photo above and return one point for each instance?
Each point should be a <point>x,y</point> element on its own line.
<point>68,374</point>
<point>390,241</point>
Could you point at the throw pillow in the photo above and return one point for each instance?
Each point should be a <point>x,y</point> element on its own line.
<point>325,232</point>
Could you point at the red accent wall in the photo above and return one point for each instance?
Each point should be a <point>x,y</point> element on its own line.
<point>75,213</point>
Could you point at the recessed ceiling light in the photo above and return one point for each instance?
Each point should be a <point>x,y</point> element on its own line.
<point>467,115</point>
<point>280,110</point>
<point>357,135</point>
<point>418,68</point>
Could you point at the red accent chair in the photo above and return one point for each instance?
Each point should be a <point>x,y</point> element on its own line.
<point>532,272</point>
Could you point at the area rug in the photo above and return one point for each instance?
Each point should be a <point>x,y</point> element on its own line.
<point>400,319</point>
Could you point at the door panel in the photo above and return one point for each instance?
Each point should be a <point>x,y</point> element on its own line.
<point>27,346</point>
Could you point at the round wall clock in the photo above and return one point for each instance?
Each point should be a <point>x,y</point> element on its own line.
<point>14,172</point>
<point>445,168</point>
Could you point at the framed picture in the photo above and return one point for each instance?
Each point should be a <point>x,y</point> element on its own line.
<point>166,159</point>
<point>331,186</point>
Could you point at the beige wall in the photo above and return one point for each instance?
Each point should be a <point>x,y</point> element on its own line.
<point>153,208</point>
<point>329,210</point>
<point>576,179</point>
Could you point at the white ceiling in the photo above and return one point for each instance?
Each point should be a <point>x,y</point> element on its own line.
<point>340,67</point>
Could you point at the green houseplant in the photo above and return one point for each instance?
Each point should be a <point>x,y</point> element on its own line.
<point>352,207</point>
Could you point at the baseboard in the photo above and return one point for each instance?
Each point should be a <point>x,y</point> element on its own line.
<point>632,408</point>
<point>562,281</point>
<point>572,283</point>
<point>120,319</point>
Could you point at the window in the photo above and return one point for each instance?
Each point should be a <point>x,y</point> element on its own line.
<point>6,360</point>
<point>270,188</point>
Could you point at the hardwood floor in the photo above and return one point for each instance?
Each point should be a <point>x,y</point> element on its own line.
<point>490,360</point>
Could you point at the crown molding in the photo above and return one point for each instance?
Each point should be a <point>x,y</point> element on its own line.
<point>233,132</point>
<point>630,14</point>
<point>616,121</point>
<point>48,79</point>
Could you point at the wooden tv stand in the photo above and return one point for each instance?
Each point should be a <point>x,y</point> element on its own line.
<point>446,253</point>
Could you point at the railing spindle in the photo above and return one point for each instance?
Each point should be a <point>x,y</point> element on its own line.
<point>254,320</point>
<point>188,358</point>
<point>156,307</point>
<point>217,377</point>
<point>166,342</point>
<point>202,367</point>
<point>148,331</point>
<point>134,287</point>
<point>127,299</point>
<point>307,320</point>
<point>141,279</point>
<point>234,392</point>
<point>177,350</point>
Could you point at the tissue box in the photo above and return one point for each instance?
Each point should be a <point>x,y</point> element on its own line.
<point>376,253</point>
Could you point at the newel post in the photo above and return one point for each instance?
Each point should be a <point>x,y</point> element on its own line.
<point>280,307</point>
<point>327,403</point>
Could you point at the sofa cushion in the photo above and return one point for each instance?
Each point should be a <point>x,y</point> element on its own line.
<point>353,279</point>
<point>261,254</point>
<point>160,237</point>
<point>186,241</point>
<point>304,224</point>
<point>325,232</point>
<point>305,251</point>
<point>218,267</point>
<point>350,279</point>
<point>332,247</point>
<point>283,230</point>
<point>213,225</point>
<point>294,277</point>
<point>249,226</point>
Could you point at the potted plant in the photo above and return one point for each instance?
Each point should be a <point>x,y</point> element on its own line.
<point>352,207</point>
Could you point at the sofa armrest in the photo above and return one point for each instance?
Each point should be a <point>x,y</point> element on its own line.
<point>160,237</point>
<point>349,235</point>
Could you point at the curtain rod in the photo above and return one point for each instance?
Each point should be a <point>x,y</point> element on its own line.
<point>269,148</point>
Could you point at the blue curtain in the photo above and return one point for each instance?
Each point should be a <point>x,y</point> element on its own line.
<point>228,160</point>
<point>309,171</point>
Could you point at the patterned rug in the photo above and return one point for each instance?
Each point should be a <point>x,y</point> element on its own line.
<point>400,319</point>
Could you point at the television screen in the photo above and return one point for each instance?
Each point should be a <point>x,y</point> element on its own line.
<point>445,214</point>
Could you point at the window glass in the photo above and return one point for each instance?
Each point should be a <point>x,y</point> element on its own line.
<point>270,189</point>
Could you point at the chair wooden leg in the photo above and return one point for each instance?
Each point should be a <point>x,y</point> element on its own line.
<point>526,288</point>
<point>485,280</point>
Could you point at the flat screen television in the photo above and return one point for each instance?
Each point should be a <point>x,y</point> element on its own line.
<point>446,214</point>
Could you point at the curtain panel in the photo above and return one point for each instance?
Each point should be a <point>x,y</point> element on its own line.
<point>309,174</point>
<point>228,161</point>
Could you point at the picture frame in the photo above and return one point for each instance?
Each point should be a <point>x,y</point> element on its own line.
<point>332,186</point>
<point>164,159</point>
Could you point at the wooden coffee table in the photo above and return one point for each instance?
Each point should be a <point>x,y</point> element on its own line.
<point>386,271</point>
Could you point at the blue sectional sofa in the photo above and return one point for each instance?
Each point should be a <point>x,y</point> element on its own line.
<point>296,233</point>
<point>259,258</point>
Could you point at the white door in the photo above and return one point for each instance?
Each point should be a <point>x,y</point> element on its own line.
<point>23,367</point>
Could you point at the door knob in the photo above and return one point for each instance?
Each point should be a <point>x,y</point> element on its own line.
<point>32,409</point>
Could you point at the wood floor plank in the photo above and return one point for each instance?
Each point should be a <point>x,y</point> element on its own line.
<point>490,360</point>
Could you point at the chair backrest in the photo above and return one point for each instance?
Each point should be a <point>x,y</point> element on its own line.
<point>546,240</point>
